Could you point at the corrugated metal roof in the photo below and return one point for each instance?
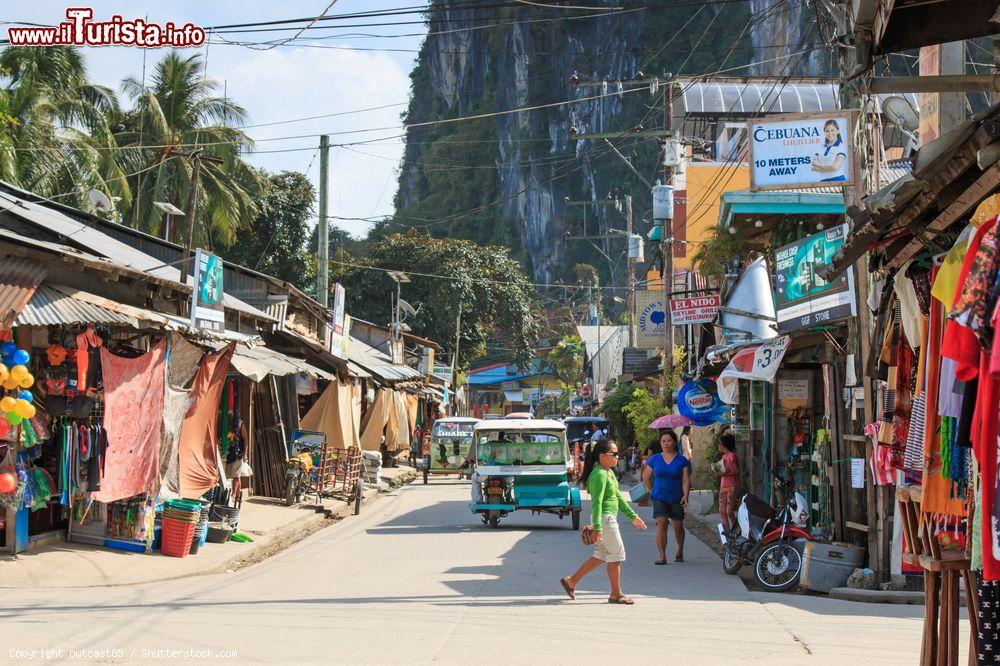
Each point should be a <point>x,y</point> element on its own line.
<point>378,363</point>
<point>749,98</point>
<point>50,306</point>
<point>19,279</point>
<point>98,242</point>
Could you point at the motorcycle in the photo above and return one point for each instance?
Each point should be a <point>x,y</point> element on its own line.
<point>297,473</point>
<point>765,539</point>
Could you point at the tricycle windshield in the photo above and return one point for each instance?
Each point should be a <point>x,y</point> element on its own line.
<point>452,432</point>
<point>521,448</point>
<point>584,430</point>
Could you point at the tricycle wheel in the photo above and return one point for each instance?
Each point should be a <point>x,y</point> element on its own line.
<point>494,520</point>
<point>425,477</point>
<point>290,492</point>
<point>576,519</point>
<point>358,493</point>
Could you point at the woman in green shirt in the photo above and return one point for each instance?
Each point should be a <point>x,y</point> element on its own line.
<point>605,502</point>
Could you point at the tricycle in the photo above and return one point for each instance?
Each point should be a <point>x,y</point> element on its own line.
<point>522,464</point>
<point>451,439</point>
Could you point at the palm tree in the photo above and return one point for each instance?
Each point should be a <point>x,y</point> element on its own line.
<point>174,114</point>
<point>55,139</point>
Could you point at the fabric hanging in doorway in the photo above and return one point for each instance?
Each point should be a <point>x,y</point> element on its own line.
<point>376,420</point>
<point>133,418</point>
<point>197,449</point>
<point>175,405</point>
<point>337,415</point>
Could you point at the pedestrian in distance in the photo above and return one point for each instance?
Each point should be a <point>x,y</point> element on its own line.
<point>606,501</point>
<point>667,477</point>
<point>729,481</point>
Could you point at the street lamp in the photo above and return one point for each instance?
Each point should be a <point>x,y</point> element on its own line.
<point>168,210</point>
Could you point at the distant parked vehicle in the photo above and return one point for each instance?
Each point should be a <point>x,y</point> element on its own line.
<point>519,415</point>
<point>451,439</point>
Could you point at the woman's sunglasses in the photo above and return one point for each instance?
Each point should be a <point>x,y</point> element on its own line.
<point>612,453</point>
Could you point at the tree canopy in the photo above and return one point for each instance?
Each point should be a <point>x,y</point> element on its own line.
<point>448,276</point>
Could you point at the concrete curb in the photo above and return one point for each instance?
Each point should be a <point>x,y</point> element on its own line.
<point>901,597</point>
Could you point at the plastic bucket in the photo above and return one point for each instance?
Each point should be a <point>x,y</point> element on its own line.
<point>176,537</point>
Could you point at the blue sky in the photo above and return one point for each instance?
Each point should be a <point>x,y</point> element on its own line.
<point>287,82</point>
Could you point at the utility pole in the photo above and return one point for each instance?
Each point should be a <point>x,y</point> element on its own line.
<point>195,156</point>
<point>454,356</point>
<point>629,273</point>
<point>323,229</point>
<point>667,243</point>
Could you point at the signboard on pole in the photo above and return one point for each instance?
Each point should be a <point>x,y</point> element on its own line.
<point>338,323</point>
<point>206,302</point>
<point>802,150</point>
<point>697,310</point>
<point>649,319</point>
<point>802,297</point>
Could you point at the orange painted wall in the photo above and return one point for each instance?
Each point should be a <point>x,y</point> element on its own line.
<point>697,198</point>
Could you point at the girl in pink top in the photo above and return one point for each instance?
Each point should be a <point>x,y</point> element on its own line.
<point>730,481</point>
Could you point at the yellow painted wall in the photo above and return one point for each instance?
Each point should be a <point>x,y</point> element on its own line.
<point>704,183</point>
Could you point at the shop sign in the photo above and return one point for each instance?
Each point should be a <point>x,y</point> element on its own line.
<point>443,371</point>
<point>758,361</point>
<point>699,401</point>
<point>650,319</point>
<point>793,389</point>
<point>803,298</point>
<point>207,311</point>
<point>801,150</point>
<point>698,310</point>
<point>338,324</point>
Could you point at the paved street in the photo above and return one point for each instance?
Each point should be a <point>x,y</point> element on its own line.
<point>416,578</point>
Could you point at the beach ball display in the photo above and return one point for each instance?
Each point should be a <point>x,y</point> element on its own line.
<point>26,395</point>
<point>8,483</point>
<point>21,357</point>
<point>28,381</point>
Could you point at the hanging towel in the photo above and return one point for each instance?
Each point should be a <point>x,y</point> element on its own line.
<point>198,467</point>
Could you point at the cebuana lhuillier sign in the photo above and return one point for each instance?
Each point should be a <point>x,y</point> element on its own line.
<point>801,150</point>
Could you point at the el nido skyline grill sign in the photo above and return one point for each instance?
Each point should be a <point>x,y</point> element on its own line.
<point>803,298</point>
<point>802,150</point>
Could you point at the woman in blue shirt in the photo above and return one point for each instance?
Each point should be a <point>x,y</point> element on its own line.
<point>667,477</point>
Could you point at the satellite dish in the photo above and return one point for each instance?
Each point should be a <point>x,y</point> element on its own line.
<point>407,308</point>
<point>901,113</point>
<point>100,201</point>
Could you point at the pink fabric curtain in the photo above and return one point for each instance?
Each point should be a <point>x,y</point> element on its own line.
<point>133,418</point>
<point>198,459</point>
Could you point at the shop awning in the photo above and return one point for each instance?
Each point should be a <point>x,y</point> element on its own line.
<point>378,363</point>
<point>512,396</point>
<point>19,280</point>
<point>256,363</point>
<point>55,305</point>
<point>951,176</point>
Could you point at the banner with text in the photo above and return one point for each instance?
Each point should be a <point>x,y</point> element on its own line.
<point>697,310</point>
<point>801,150</point>
<point>757,361</point>
<point>802,297</point>
<point>338,334</point>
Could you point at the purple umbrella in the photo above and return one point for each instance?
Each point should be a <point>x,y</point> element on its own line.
<point>670,421</point>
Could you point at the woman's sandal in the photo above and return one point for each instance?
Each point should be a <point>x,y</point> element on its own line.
<point>679,558</point>
<point>624,600</point>
<point>570,592</point>
<point>660,562</point>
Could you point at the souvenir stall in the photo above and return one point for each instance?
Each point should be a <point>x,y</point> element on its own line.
<point>933,249</point>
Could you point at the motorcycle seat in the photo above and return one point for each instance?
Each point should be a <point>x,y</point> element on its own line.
<point>758,507</point>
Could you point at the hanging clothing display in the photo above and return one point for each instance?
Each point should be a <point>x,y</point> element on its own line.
<point>133,419</point>
<point>197,449</point>
<point>88,359</point>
